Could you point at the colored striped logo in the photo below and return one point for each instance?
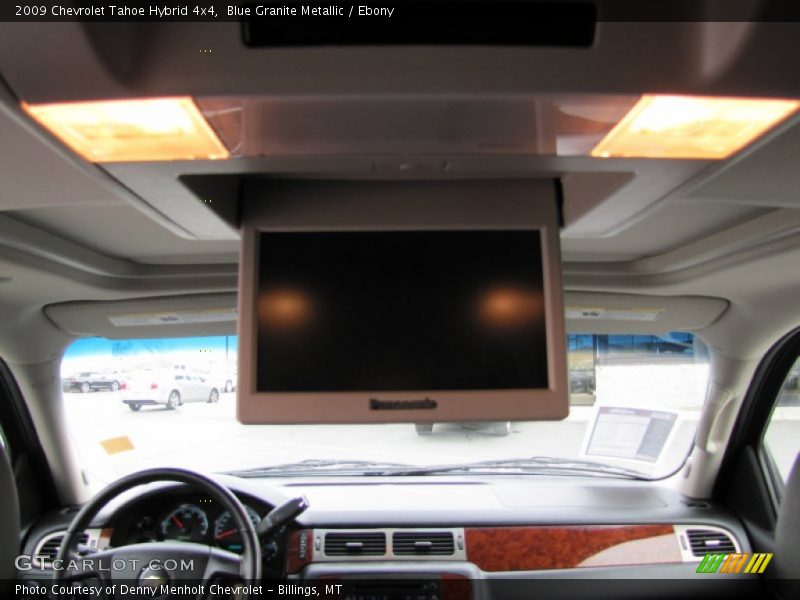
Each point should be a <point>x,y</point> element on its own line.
<point>734,563</point>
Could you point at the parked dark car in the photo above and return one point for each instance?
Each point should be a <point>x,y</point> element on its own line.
<point>92,381</point>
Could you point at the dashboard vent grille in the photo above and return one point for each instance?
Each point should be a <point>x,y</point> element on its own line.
<point>412,543</point>
<point>707,541</point>
<point>355,544</point>
<point>50,545</point>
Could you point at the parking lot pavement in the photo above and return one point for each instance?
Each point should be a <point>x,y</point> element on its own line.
<point>208,437</point>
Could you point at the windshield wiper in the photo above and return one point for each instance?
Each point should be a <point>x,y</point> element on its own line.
<point>319,465</point>
<point>530,465</point>
<point>540,465</point>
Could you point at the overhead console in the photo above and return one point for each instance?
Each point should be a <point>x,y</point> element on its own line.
<point>400,302</point>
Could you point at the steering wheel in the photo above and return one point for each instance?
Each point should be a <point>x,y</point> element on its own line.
<point>154,564</point>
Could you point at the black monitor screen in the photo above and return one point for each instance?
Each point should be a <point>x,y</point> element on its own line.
<point>399,310</point>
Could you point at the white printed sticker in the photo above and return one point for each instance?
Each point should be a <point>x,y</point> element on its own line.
<point>630,433</point>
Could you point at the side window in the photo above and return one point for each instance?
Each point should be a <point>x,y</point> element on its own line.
<point>782,435</point>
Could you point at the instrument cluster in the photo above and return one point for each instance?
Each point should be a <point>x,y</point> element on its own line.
<point>193,519</point>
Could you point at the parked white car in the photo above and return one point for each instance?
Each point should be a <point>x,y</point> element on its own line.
<point>222,376</point>
<point>168,388</point>
<point>226,379</point>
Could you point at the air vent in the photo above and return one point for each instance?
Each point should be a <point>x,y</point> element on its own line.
<point>707,541</point>
<point>48,547</point>
<point>423,543</point>
<point>355,544</point>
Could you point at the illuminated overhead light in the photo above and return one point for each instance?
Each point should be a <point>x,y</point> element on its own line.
<point>131,130</point>
<point>691,127</point>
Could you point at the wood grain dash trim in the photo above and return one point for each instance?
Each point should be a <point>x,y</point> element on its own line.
<point>299,550</point>
<point>550,547</point>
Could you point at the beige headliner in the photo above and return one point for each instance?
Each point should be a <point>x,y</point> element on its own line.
<point>71,232</point>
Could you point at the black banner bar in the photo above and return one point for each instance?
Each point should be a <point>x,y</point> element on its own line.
<point>422,16</point>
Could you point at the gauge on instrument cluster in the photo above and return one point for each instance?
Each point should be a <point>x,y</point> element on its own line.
<point>144,530</point>
<point>187,523</point>
<point>226,535</point>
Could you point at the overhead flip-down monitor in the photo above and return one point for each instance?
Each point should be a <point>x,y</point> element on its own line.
<point>392,302</point>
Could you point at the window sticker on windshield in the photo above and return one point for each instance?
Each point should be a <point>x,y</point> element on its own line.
<point>630,433</point>
<point>174,317</point>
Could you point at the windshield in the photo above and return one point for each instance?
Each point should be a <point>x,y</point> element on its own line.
<point>133,404</point>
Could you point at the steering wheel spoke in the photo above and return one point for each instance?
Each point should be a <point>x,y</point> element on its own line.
<point>223,564</point>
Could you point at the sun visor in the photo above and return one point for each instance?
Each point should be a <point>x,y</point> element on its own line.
<point>591,312</point>
<point>174,316</point>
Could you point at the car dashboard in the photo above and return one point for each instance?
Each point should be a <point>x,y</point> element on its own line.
<point>447,538</point>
